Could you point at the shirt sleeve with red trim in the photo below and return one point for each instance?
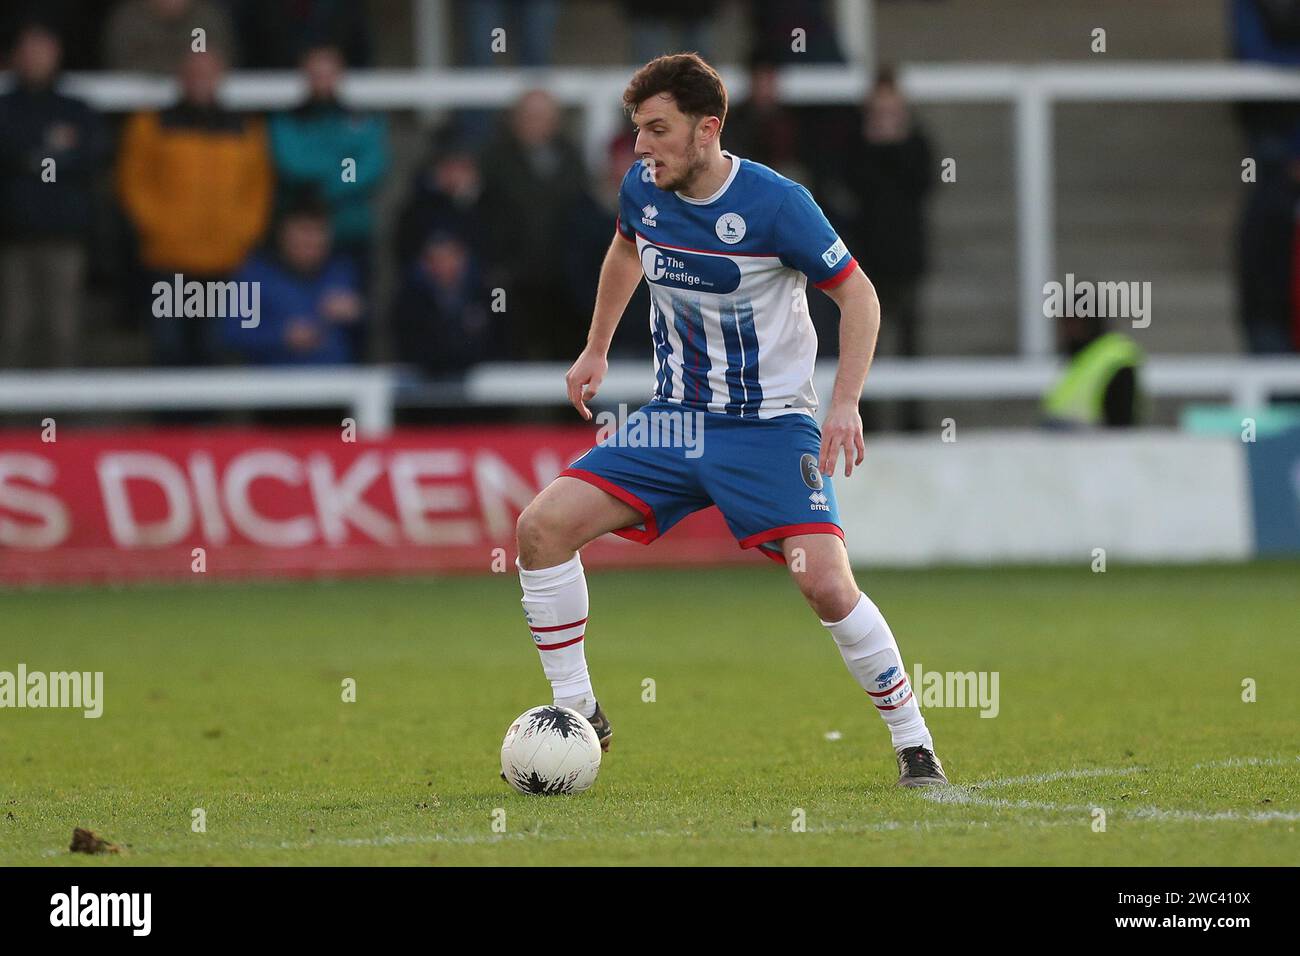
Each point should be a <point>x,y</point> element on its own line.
<point>623,228</point>
<point>806,241</point>
<point>629,213</point>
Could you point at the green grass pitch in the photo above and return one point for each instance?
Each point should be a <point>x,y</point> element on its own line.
<point>1120,691</point>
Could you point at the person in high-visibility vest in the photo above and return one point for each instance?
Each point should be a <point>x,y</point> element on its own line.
<point>1099,388</point>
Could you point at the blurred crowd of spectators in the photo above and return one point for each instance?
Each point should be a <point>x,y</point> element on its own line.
<point>197,190</point>
<point>496,248</point>
<point>496,245</point>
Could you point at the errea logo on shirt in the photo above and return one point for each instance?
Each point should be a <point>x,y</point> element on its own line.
<point>835,253</point>
<point>648,214</point>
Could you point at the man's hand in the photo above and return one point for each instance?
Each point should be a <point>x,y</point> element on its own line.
<point>842,429</point>
<point>584,377</point>
<point>341,306</point>
<point>302,335</point>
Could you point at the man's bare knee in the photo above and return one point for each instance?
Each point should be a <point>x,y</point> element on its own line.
<point>565,516</point>
<point>825,580</point>
<point>829,597</point>
<point>540,540</point>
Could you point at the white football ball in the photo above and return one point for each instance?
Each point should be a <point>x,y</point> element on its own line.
<point>550,750</point>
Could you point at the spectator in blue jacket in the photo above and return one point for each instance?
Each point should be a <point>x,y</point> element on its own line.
<point>340,154</point>
<point>309,298</point>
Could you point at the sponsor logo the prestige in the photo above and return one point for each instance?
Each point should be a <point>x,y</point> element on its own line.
<point>679,269</point>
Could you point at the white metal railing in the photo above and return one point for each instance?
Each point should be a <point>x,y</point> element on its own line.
<point>371,393</point>
<point>1032,90</point>
<point>1248,383</point>
<point>367,392</point>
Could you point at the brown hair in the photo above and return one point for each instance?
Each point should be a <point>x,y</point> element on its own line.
<point>695,85</point>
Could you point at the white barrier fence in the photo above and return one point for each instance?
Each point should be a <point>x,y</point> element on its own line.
<point>1247,382</point>
<point>370,394</point>
<point>367,392</point>
<point>1032,91</point>
<point>1056,497</point>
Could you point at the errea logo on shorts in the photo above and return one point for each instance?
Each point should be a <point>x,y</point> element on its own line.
<point>835,253</point>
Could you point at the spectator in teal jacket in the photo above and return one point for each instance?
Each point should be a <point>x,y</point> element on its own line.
<point>340,154</point>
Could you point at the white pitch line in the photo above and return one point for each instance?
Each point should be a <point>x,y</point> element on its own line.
<point>1194,816</point>
<point>968,795</point>
<point>1057,775</point>
<point>1248,762</point>
<point>962,796</point>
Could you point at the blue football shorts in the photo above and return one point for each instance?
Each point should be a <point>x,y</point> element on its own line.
<point>761,473</point>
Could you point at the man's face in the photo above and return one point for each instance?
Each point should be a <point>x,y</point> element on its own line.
<point>305,242</point>
<point>201,77</point>
<point>445,261</point>
<point>1073,331</point>
<point>887,114</point>
<point>37,57</point>
<point>457,175</point>
<point>670,141</point>
<point>536,119</point>
<point>323,68</point>
<point>762,87</point>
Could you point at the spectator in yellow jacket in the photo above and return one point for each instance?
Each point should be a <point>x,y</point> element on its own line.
<point>196,183</point>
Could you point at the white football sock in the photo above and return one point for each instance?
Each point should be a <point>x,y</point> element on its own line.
<point>555,604</point>
<point>871,654</point>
